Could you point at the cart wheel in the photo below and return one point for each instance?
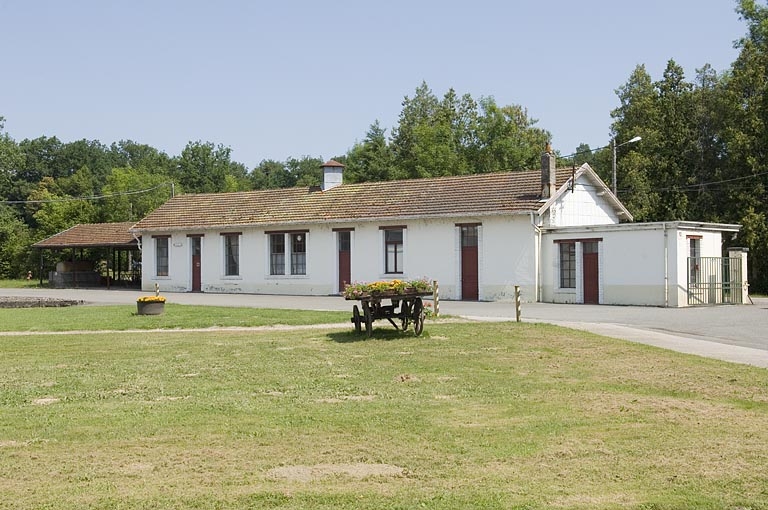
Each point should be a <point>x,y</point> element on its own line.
<point>405,314</point>
<point>368,319</point>
<point>356,319</point>
<point>418,316</point>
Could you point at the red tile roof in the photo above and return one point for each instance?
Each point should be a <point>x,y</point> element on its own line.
<point>469,195</point>
<point>91,235</point>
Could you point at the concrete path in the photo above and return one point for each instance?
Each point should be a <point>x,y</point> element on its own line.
<point>731,333</point>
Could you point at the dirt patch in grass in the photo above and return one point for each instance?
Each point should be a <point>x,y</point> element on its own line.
<point>45,401</point>
<point>35,302</point>
<point>319,471</point>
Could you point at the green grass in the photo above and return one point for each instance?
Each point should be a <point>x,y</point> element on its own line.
<point>21,283</point>
<point>501,415</point>
<point>122,317</point>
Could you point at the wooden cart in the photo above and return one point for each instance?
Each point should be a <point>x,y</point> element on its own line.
<point>402,310</point>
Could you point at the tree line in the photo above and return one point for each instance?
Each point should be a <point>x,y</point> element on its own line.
<point>702,157</point>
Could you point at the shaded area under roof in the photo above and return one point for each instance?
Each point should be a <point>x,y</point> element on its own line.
<point>92,235</point>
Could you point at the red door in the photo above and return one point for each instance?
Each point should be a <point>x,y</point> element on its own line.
<point>195,263</point>
<point>345,259</point>
<point>591,274</point>
<point>469,273</point>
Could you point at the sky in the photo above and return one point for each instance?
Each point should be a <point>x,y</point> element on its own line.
<point>292,78</point>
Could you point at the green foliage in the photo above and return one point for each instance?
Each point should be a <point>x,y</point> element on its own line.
<point>704,152</point>
<point>14,244</point>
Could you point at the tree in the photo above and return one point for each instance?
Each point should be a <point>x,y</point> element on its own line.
<point>306,170</point>
<point>370,160</point>
<point>506,138</point>
<point>14,244</point>
<point>132,193</point>
<point>203,167</point>
<point>272,174</point>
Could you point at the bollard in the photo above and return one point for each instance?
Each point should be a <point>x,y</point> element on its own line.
<point>436,298</point>
<point>517,303</point>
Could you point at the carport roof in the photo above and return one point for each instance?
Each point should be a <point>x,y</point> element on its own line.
<point>92,235</point>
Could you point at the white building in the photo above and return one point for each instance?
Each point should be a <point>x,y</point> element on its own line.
<point>557,234</point>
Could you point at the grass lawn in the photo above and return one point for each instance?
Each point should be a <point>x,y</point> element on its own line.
<point>501,415</point>
<point>22,283</point>
<point>121,317</point>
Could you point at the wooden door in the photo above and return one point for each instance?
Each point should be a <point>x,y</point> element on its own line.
<point>345,259</point>
<point>591,273</point>
<point>196,263</point>
<point>469,271</point>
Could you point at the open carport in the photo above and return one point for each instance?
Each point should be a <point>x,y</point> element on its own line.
<point>92,255</point>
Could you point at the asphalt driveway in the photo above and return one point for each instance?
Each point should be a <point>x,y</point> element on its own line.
<point>731,333</point>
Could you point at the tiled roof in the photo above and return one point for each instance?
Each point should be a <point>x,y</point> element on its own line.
<point>482,194</point>
<point>91,235</point>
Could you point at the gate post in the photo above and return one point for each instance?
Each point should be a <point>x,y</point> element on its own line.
<point>436,297</point>
<point>517,303</point>
<point>741,255</point>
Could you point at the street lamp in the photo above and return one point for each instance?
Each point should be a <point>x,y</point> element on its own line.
<point>613,163</point>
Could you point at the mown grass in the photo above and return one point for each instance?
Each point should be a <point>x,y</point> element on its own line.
<point>500,415</point>
<point>122,317</point>
<point>21,283</point>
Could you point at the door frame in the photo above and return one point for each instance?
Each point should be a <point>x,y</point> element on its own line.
<point>195,262</point>
<point>470,287</point>
<point>590,280</point>
<point>340,270</point>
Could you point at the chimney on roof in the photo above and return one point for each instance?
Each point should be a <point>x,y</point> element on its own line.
<point>548,173</point>
<point>332,174</point>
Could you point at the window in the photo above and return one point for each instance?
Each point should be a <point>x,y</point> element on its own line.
<point>231,254</point>
<point>393,251</point>
<point>161,256</point>
<point>468,236</point>
<point>694,261</point>
<point>276,254</point>
<point>298,254</point>
<point>567,265</point>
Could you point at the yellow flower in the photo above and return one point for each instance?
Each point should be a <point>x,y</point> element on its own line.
<point>151,299</point>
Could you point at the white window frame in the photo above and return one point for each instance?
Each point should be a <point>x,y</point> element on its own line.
<point>226,246</point>
<point>290,264</point>
<point>158,241</point>
<point>385,251</point>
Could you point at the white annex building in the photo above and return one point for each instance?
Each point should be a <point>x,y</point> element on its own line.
<point>560,235</point>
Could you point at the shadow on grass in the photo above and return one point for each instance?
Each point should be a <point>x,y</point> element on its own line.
<point>387,335</point>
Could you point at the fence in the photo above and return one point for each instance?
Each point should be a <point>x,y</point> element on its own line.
<point>715,280</point>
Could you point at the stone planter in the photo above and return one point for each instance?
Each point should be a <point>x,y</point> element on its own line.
<point>150,308</point>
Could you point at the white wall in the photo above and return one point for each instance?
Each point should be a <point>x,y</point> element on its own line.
<point>640,264</point>
<point>583,206</point>
<point>431,249</point>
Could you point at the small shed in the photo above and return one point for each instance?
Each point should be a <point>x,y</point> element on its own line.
<point>121,264</point>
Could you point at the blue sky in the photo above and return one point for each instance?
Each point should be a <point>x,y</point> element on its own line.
<point>283,79</point>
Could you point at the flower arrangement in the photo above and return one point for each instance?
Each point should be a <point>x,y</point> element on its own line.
<point>151,299</point>
<point>383,288</point>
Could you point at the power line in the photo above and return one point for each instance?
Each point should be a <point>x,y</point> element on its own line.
<point>94,197</point>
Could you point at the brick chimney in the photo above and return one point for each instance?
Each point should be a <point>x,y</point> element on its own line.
<point>332,174</point>
<point>548,173</point>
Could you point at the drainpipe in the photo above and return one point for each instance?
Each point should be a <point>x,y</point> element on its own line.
<point>138,241</point>
<point>537,260</point>
<point>666,265</point>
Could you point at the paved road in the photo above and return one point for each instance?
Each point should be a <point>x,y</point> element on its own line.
<point>731,333</point>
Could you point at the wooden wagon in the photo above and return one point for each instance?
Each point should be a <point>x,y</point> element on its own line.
<point>403,309</point>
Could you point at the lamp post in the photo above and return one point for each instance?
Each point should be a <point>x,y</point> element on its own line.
<point>613,162</point>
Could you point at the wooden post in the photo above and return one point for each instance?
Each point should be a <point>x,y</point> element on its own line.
<point>517,303</point>
<point>436,298</point>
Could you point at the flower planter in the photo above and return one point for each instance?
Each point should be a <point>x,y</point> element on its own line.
<point>150,308</point>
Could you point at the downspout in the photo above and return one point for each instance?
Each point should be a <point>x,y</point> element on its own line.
<point>666,265</point>
<point>138,240</point>
<point>537,260</point>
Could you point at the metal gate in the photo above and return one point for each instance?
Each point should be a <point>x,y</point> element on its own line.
<point>714,281</point>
